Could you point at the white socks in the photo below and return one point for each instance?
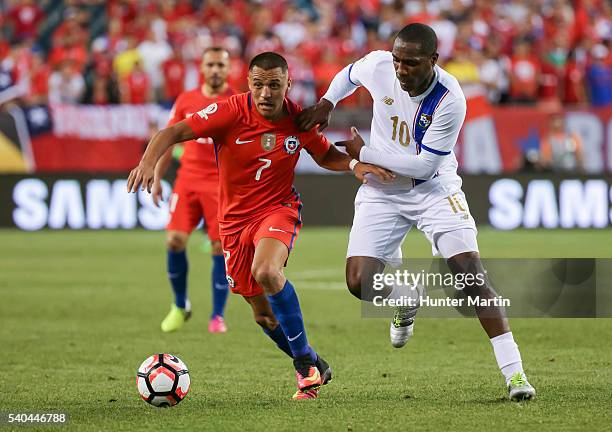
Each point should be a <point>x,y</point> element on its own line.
<point>507,355</point>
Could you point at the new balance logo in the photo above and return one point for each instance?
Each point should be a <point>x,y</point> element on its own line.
<point>242,142</point>
<point>387,100</point>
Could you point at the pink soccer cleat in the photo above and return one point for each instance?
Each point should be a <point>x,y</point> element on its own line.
<point>217,325</point>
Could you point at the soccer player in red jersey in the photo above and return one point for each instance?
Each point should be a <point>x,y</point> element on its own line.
<point>195,195</point>
<point>257,147</point>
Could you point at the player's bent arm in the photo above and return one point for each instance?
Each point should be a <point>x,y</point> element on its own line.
<point>166,138</point>
<point>421,166</point>
<point>144,174</point>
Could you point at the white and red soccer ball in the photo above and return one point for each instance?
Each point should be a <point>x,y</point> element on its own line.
<point>163,380</point>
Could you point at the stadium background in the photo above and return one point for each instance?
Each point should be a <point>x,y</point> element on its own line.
<point>83,85</point>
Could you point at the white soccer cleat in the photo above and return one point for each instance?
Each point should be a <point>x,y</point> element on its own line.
<point>519,388</point>
<point>402,325</point>
<point>400,331</point>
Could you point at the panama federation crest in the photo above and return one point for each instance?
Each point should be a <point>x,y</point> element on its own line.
<point>268,141</point>
<point>291,144</point>
<point>425,120</point>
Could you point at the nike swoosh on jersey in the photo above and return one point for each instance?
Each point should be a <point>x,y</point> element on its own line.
<point>279,230</point>
<point>242,142</point>
<point>291,339</point>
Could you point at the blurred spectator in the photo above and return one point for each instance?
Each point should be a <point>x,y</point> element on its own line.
<point>70,31</point>
<point>553,66</point>
<point>493,72</point>
<point>599,77</point>
<point>174,77</point>
<point>326,70</point>
<point>561,150</point>
<point>39,80</point>
<point>154,52</point>
<point>103,88</point>
<point>521,51</point>
<point>124,61</point>
<point>291,30</point>
<point>462,66</point>
<point>574,80</point>
<point>524,74</point>
<point>24,19</point>
<point>136,88</point>
<point>5,48</point>
<point>66,85</point>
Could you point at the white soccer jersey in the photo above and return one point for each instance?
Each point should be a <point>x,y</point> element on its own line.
<point>404,125</point>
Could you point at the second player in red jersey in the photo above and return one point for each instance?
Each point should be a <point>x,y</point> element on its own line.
<point>258,147</point>
<point>195,195</point>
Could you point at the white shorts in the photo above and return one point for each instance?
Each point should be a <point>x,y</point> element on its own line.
<point>382,220</point>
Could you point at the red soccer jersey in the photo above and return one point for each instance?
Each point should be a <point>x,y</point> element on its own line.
<point>257,157</point>
<point>198,163</point>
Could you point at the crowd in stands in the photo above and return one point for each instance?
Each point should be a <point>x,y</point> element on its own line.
<point>555,52</point>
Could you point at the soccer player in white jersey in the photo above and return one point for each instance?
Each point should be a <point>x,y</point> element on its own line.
<point>418,112</point>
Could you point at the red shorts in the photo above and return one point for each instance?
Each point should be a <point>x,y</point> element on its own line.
<point>282,223</point>
<point>189,205</point>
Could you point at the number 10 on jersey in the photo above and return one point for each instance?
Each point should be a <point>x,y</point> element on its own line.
<point>404,133</point>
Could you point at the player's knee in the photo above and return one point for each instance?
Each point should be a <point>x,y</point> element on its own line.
<point>353,281</point>
<point>176,241</point>
<point>267,276</point>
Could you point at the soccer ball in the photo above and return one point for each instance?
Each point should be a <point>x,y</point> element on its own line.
<point>163,380</point>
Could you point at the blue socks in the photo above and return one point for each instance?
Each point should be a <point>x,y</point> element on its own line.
<point>286,308</point>
<point>219,285</point>
<point>177,273</point>
<point>279,337</point>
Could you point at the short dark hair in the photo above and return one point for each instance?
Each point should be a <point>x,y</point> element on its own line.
<point>422,34</point>
<point>215,49</point>
<point>269,60</point>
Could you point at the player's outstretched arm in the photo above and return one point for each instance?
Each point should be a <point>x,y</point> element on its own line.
<point>335,160</point>
<point>142,176</point>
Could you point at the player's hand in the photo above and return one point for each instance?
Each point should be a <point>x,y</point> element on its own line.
<point>361,169</point>
<point>141,176</point>
<point>318,114</point>
<point>156,192</point>
<point>354,145</point>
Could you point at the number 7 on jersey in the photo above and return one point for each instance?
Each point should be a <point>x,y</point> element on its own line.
<point>267,163</point>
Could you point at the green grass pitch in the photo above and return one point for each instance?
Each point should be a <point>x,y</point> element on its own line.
<point>79,311</point>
